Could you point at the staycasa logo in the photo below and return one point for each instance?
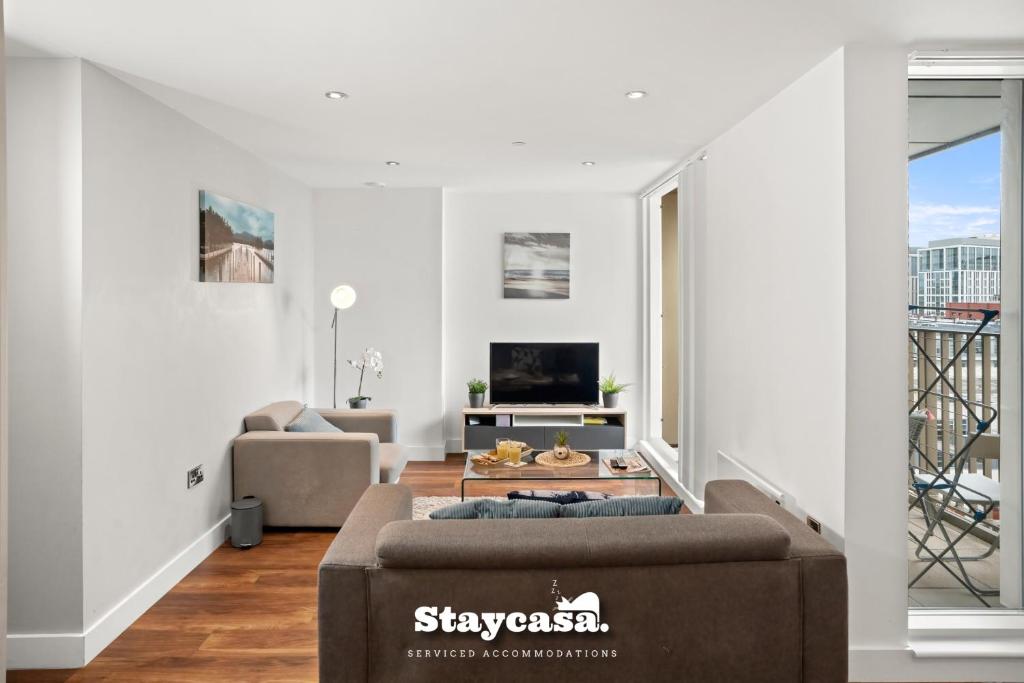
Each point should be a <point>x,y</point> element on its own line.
<point>581,614</point>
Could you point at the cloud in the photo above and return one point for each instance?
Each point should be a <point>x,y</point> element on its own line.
<point>932,211</point>
<point>988,179</point>
<point>942,221</point>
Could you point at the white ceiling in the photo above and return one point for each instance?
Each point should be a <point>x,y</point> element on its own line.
<point>445,86</point>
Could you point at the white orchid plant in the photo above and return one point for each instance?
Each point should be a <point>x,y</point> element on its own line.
<point>370,359</point>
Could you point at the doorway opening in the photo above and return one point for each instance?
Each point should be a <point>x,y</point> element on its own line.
<point>670,318</point>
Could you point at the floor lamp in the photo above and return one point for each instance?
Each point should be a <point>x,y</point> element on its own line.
<point>342,297</point>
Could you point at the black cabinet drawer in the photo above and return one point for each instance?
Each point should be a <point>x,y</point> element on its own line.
<point>590,437</point>
<point>479,437</point>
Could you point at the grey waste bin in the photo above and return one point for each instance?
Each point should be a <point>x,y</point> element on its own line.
<point>246,522</point>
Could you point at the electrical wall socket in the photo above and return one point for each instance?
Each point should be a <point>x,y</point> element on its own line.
<point>195,476</point>
<point>814,524</point>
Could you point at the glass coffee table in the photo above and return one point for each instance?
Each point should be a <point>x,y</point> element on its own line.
<point>595,470</point>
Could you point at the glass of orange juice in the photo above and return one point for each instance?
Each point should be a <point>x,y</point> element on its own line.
<point>501,448</point>
<point>515,452</point>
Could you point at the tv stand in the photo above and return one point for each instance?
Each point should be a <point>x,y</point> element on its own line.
<point>537,425</point>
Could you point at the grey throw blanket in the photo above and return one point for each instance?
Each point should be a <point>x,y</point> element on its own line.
<point>561,497</point>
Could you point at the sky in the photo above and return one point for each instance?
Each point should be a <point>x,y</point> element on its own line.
<point>536,251</point>
<point>955,192</point>
<point>240,216</point>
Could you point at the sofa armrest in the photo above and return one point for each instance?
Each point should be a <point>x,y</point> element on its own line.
<point>354,546</point>
<point>342,590</point>
<point>383,423</point>
<point>731,496</point>
<point>305,478</point>
<point>822,572</point>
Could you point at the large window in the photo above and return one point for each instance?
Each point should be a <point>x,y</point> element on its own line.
<point>964,360</point>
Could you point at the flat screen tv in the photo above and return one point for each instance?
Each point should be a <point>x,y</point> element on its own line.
<point>544,373</point>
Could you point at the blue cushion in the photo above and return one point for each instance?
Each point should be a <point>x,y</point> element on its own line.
<point>485,508</point>
<point>626,506</point>
<point>310,421</point>
<point>463,510</point>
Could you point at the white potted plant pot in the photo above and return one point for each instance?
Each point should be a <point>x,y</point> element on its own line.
<point>359,402</point>
<point>476,400</point>
<point>611,400</point>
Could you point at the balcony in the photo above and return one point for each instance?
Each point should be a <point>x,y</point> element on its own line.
<point>970,580</point>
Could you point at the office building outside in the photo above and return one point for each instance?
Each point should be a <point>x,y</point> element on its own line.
<point>956,271</point>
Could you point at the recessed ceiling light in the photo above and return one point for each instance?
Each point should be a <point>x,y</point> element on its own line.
<point>518,143</point>
<point>392,163</point>
<point>589,163</point>
<point>636,94</point>
<point>373,183</point>
<point>335,95</point>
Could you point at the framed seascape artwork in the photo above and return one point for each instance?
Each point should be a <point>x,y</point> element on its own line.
<point>236,241</point>
<point>536,265</point>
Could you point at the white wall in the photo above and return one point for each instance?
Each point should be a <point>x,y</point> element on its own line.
<point>168,365</point>
<point>604,304</point>
<point>44,120</point>
<point>875,95</point>
<point>387,245</point>
<point>802,267</point>
<point>774,284</point>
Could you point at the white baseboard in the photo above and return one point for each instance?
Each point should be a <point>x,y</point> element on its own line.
<point>453,446</point>
<point>45,650</point>
<point>73,650</point>
<point>868,665</point>
<point>426,453</point>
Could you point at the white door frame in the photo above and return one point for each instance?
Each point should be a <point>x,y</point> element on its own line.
<point>652,307</point>
<point>652,387</point>
<point>991,65</point>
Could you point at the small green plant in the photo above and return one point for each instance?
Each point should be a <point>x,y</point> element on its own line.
<point>608,385</point>
<point>561,439</point>
<point>477,386</point>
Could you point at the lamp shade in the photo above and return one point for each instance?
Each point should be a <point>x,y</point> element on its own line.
<point>343,296</point>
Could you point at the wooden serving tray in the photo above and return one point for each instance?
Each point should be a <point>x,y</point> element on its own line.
<point>491,456</point>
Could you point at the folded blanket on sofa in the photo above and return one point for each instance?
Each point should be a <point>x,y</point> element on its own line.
<point>560,497</point>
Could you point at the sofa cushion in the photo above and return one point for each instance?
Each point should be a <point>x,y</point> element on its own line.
<point>486,508</point>
<point>625,506</point>
<point>310,421</point>
<point>272,418</point>
<point>562,543</point>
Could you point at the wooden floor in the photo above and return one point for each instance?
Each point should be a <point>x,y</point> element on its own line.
<point>250,615</point>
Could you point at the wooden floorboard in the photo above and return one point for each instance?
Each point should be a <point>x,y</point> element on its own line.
<point>250,615</point>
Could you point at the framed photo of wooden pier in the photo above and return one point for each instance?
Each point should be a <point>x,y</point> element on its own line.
<point>236,241</point>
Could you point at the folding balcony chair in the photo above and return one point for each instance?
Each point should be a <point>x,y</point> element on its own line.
<point>970,496</point>
<point>945,487</point>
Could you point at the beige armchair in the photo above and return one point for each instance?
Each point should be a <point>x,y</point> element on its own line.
<point>314,479</point>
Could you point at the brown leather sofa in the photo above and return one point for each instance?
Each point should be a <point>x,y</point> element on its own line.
<point>744,593</point>
<point>314,479</point>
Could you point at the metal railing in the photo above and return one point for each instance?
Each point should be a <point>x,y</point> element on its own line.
<point>976,377</point>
